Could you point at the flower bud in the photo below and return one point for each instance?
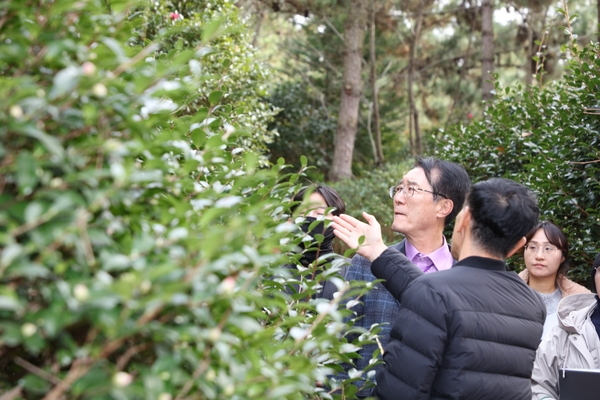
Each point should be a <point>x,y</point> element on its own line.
<point>28,329</point>
<point>88,68</point>
<point>16,111</point>
<point>99,90</point>
<point>81,292</point>
<point>227,285</point>
<point>122,379</point>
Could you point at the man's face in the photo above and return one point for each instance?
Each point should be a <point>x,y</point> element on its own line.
<point>418,212</point>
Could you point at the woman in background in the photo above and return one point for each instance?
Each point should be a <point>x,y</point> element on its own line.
<point>546,258</point>
<point>318,203</point>
<point>573,343</point>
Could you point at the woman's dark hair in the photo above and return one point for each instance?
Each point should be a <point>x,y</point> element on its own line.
<point>556,237</point>
<point>332,199</point>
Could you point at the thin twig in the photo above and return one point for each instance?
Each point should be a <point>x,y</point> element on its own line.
<point>12,394</point>
<point>37,371</point>
<point>135,59</point>
<point>85,238</point>
<point>124,359</point>
<point>79,368</point>
<point>582,162</point>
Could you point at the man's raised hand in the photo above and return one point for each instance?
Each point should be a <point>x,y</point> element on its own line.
<point>350,230</point>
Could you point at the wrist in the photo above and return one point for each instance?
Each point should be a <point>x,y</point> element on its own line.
<point>377,250</point>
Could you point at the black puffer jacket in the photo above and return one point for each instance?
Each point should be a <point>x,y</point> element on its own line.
<point>470,332</point>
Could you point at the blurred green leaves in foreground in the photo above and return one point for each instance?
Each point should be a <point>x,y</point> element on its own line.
<point>142,234</point>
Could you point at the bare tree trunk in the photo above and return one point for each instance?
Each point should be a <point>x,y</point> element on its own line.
<point>416,145</point>
<point>259,20</point>
<point>376,119</point>
<point>529,45</point>
<point>487,48</point>
<point>345,135</point>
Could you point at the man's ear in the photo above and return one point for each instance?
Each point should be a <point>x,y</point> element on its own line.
<point>445,207</point>
<point>519,245</point>
<point>463,221</point>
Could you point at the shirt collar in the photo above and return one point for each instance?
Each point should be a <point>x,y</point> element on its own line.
<point>441,258</point>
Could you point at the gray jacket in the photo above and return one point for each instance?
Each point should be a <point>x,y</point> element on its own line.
<point>565,346</point>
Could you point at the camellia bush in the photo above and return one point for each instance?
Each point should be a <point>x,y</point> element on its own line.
<point>143,241</point>
<point>549,139</point>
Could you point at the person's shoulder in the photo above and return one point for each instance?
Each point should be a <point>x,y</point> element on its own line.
<point>524,275</point>
<point>569,288</point>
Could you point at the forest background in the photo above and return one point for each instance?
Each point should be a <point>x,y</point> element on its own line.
<point>149,151</point>
<point>455,79</point>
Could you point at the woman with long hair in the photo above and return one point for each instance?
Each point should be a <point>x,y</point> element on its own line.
<point>547,263</point>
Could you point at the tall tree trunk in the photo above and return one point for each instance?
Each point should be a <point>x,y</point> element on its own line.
<point>413,118</point>
<point>345,135</point>
<point>376,119</point>
<point>487,48</point>
<point>529,53</point>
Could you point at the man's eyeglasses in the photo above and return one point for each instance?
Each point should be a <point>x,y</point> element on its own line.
<point>546,250</point>
<point>409,191</point>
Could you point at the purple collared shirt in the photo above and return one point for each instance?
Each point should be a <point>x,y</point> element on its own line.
<point>438,260</point>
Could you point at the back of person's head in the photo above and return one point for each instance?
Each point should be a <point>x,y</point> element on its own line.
<point>502,213</point>
<point>594,266</point>
<point>331,197</point>
<point>556,237</point>
<point>447,178</point>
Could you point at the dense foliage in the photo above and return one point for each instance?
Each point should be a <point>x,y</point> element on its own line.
<point>548,139</point>
<point>141,240</point>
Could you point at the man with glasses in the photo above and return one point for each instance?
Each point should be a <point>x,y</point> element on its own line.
<point>425,201</point>
<point>470,332</point>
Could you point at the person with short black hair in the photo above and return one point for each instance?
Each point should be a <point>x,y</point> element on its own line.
<point>470,332</point>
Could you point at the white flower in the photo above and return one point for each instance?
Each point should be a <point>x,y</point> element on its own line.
<point>99,90</point>
<point>81,292</point>
<point>122,379</point>
<point>28,329</point>
<point>16,111</point>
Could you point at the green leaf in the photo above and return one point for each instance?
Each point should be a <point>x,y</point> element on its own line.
<point>64,82</point>
<point>34,384</point>
<point>51,143</point>
<point>26,172</point>
<point>212,29</point>
<point>9,300</point>
<point>215,96</point>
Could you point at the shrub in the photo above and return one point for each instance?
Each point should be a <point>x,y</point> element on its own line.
<point>140,239</point>
<point>549,139</point>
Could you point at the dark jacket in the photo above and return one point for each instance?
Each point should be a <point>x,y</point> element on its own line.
<point>470,332</point>
<point>376,307</point>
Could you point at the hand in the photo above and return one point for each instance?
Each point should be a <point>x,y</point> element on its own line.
<point>350,230</point>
